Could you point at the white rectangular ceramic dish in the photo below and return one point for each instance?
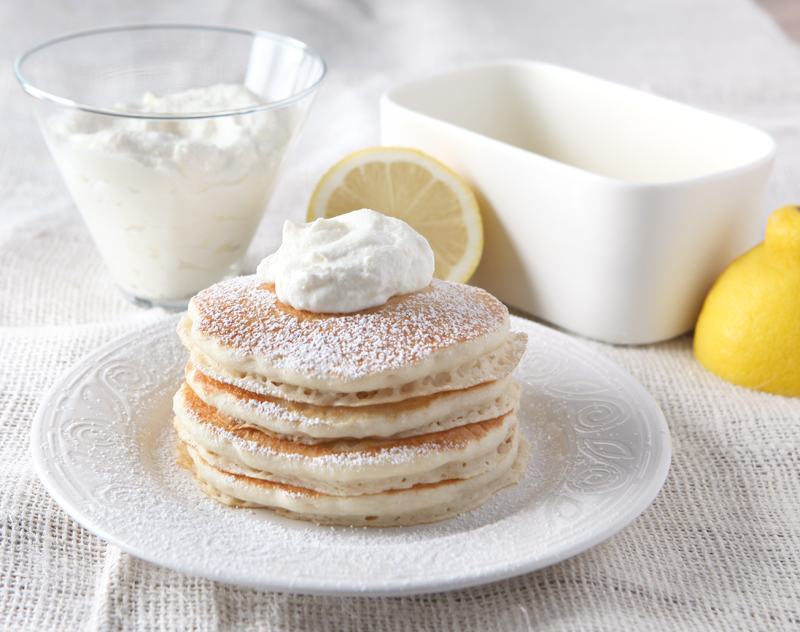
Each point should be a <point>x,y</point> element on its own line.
<point>607,211</point>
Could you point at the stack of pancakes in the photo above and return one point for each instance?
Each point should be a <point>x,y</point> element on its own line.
<point>396,415</point>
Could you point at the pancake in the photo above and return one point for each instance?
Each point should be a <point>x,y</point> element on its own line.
<point>241,325</point>
<point>420,504</point>
<point>492,366</point>
<point>309,423</point>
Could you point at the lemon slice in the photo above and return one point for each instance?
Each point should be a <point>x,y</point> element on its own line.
<point>408,184</point>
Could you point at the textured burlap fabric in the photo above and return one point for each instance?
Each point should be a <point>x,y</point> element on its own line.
<point>719,549</point>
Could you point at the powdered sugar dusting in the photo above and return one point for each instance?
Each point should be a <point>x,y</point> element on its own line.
<point>245,316</point>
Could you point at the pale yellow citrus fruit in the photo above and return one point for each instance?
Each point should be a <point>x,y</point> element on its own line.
<point>749,328</point>
<point>412,186</point>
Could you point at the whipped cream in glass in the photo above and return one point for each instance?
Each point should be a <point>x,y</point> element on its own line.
<point>170,138</point>
<point>348,263</point>
<point>172,204</point>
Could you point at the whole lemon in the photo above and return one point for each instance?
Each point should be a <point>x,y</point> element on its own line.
<point>748,331</point>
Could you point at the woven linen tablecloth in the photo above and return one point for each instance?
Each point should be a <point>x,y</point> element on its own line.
<point>719,549</point>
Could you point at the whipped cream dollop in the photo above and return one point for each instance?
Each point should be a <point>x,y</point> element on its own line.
<point>348,263</point>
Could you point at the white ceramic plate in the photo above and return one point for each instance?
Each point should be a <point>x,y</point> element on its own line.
<point>103,446</point>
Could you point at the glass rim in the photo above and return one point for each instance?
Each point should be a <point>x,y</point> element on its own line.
<point>74,105</point>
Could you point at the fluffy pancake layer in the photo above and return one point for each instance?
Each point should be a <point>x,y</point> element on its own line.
<point>397,415</point>
<point>491,366</point>
<point>240,324</point>
<point>305,422</point>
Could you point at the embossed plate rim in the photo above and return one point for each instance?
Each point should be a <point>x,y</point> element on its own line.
<point>586,412</point>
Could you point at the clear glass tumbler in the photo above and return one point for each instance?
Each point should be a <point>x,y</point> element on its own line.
<point>171,140</point>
